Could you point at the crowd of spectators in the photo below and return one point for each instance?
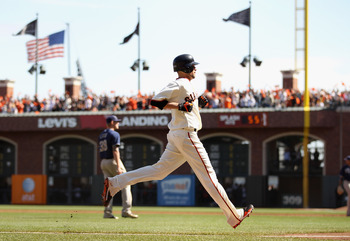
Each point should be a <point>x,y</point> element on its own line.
<point>279,98</point>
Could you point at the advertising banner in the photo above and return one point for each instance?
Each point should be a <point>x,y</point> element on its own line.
<point>176,190</point>
<point>29,189</point>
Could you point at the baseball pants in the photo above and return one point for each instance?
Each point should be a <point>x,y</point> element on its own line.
<point>346,185</point>
<point>182,146</point>
<point>109,169</point>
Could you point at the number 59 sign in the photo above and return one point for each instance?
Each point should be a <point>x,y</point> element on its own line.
<point>243,119</point>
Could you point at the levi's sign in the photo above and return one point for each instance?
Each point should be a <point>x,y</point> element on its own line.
<point>56,122</point>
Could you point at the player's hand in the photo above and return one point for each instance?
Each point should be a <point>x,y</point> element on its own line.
<point>186,106</point>
<point>119,171</point>
<point>202,101</point>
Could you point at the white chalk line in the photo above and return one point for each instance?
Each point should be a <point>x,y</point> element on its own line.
<point>307,236</point>
<point>109,234</point>
<point>340,235</point>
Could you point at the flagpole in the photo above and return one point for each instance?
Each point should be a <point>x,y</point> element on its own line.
<point>68,49</point>
<point>139,58</point>
<point>243,18</point>
<point>250,43</point>
<point>36,55</point>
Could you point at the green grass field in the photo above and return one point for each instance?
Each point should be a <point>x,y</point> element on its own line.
<point>37,222</point>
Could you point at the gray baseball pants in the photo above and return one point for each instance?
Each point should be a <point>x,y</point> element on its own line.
<point>109,169</point>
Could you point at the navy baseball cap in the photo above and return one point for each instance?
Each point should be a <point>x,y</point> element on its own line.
<point>347,158</point>
<point>111,118</point>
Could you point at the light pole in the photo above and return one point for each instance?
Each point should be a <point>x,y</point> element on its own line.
<point>247,60</point>
<point>137,66</point>
<point>139,61</point>
<point>42,69</point>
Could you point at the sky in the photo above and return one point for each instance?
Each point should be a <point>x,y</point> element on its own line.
<point>168,29</point>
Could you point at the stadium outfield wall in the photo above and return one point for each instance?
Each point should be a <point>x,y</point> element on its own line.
<point>248,147</point>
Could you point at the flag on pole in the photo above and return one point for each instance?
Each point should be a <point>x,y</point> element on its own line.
<point>30,29</point>
<point>48,47</point>
<point>136,31</point>
<point>242,17</point>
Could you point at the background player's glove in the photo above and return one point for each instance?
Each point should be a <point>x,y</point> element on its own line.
<point>202,101</point>
<point>340,190</point>
<point>186,106</point>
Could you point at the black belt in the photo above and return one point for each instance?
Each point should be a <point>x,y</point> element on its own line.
<point>191,129</point>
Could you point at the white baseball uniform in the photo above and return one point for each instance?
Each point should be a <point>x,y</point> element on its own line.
<point>183,145</point>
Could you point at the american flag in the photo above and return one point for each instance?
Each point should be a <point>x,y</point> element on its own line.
<point>48,47</point>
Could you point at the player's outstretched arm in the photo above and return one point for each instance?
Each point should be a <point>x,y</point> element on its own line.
<point>161,104</point>
<point>164,104</point>
<point>186,106</point>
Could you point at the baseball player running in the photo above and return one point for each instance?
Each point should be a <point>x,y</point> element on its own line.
<point>183,143</point>
<point>111,165</point>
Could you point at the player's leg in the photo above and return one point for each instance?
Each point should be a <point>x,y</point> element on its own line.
<point>126,198</point>
<point>196,155</point>
<point>346,185</point>
<point>108,168</point>
<point>170,160</point>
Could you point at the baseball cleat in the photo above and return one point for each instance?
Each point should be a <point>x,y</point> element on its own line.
<point>106,195</point>
<point>110,216</point>
<point>247,211</point>
<point>129,215</point>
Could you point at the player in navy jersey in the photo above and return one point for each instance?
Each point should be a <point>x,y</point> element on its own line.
<point>345,180</point>
<point>111,165</point>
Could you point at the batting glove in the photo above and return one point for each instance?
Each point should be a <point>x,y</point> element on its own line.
<point>202,101</point>
<point>186,106</point>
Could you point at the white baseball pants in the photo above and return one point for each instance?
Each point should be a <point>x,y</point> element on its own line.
<point>182,146</point>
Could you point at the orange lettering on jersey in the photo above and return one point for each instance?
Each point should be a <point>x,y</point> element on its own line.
<point>191,98</point>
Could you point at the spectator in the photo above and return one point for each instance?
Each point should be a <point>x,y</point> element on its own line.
<point>277,98</point>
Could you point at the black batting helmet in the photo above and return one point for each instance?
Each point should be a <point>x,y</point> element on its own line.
<point>184,63</point>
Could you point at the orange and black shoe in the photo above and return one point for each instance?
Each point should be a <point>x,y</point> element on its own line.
<point>247,211</point>
<point>106,195</point>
